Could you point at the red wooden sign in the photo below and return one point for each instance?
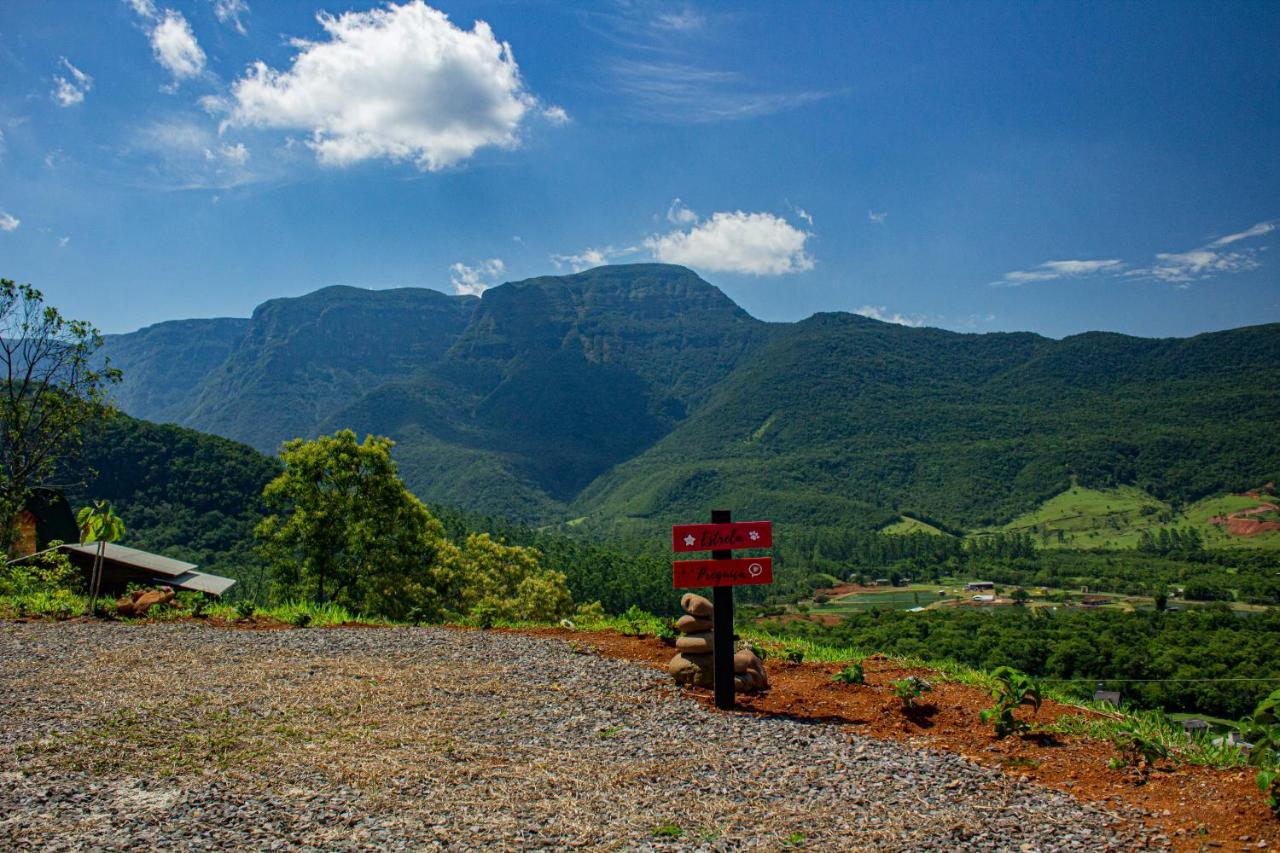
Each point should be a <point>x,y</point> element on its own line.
<point>721,537</point>
<point>744,572</point>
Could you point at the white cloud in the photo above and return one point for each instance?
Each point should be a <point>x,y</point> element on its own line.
<point>738,242</point>
<point>883,314</point>
<point>1183,268</point>
<point>185,154</point>
<point>70,90</point>
<point>1259,230</point>
<point>586,259</point>
<point>805,215</point>
<point>9,222</point>
<point>688,93</point>
<point>473,281</point>
<point>229,12</point>
<point>172,41</point>
<point>555,115</point>
<point>1054,270</point>
<point>684,21</point>
<point>401,83</point>
<point>678,214</point>
<point>63,241</point>
<point>877,216</point>
<point>176,48</point>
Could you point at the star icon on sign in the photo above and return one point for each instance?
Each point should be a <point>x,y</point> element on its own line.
<point>689,540</point>
<point>755,534</point>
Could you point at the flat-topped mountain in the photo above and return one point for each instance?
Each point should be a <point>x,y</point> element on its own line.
<point>642,391</point>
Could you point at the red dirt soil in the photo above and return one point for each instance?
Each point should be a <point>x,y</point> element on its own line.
<point>1195,806</point>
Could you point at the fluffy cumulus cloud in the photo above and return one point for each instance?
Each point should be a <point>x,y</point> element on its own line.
<point>883,314</point>
<point>737,242</point>
<point>400,83</point>
<point>232,13</point>
<point>1054,270</point>
<point>70,88</point>
<point>475,280</point>
<point>678,214</point>
<point>9,222</point>
<point>172,40</point>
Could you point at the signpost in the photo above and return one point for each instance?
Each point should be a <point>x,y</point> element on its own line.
<point>722,573</point>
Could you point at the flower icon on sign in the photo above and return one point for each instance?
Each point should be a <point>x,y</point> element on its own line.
<point>755,534</point>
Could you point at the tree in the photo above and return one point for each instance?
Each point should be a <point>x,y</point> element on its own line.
<point>51,390</point>
<point>98,523</point>
<point>345,529</point>
<point>1021,596</point>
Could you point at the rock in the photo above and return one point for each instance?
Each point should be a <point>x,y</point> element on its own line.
<point>138,602</point>
<point>746,660</point>
<point>696,605</point>
<point>697,644</point>
<point>693,669</point>
<point>693,625</point>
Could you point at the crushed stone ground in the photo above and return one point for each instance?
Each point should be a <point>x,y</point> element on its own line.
<point>182,736</point>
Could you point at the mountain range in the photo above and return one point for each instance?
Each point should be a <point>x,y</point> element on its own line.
<point>642,392</point>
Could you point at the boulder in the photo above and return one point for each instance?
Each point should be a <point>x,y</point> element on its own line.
<point>696,605</point>
<point>745,660</point>
<point>749,681</point>
<point>138,602</point>
<point>693,625</point>
<point>692,669</point>
<point>697,644</point>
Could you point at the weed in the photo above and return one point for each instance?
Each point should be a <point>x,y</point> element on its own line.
<point>1012,689</point>
<point>758,650</point>
<point>793,654</point>
<point>609,732</point>
<point>851,674</point>
<point>667,632</point>
<point>795,839</point>
<point>245,609</point>
<point>300,619</point>
<point>582,648</point>
<point>667,830</point>
<point>910,689</point>
<point>1264,731</point>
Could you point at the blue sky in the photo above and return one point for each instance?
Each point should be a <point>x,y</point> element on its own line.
<point>980,167</point>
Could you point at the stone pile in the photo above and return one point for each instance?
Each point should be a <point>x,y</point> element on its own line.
<point>138,602</point>
<point>694,664</point>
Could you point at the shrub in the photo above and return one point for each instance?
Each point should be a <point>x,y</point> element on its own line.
<point>1013,689</point>
<point>1264,731</point>
<point>245,609</point>
<point>910,689</point>
<point>792,654</point>
<point>851,674</point>
<point>667,632</point>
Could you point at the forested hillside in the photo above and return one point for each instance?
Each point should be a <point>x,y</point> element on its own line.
<point>641,394</point>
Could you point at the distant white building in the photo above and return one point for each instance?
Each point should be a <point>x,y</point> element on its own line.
<point>977,585</point>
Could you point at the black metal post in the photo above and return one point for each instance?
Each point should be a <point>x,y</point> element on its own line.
<point>722,628</point>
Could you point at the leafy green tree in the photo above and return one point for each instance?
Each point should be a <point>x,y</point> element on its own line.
<point>50,389</point>
<point>508,582</point>
<point>344,528</point>
<point>98,523</point>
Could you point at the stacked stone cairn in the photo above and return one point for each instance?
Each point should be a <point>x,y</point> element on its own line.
<point>694,665</point>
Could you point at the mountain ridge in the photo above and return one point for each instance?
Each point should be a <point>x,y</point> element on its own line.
<point>642,391</point>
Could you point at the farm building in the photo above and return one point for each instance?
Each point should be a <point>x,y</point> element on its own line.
<point>976,586</point>
<point>123,566</point>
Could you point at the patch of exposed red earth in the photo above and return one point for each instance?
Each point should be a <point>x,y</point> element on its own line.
<point>1196,806</point>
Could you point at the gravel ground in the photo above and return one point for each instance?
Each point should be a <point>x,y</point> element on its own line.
<point>182,736</point>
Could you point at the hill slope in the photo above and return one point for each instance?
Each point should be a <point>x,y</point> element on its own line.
<point>642,392</point>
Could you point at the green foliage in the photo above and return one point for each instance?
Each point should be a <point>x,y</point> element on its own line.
<point>1138,748</point>
<point>910,689</point>
<point>345,529</point>
<point>1012,690</point>
<point>1264,732</point>
<point>1077,648</point>
<point>99,523</point>
<point>668,830</point>
<point>51,392</point>
<point>793,654</point>
<point>47,572</point>
<point>851,674</point>
<point>245,609</point>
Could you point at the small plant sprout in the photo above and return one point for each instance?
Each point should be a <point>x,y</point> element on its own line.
<point>667,632</point>
<point>667,830</point>
<point>1137,749</point>
<point>851,674</point>
<point>910,689</point>
<point>1013,689</point>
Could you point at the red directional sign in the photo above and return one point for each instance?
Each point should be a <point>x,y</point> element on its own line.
<point>721,537</point>
<point>744,572</point>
